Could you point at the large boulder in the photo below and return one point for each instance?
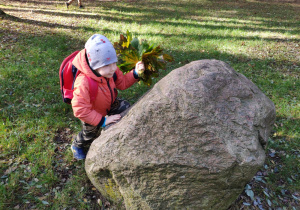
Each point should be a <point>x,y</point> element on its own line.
<point>192,142</point>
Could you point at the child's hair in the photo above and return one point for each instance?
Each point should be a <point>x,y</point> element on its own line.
<point>100,52</point>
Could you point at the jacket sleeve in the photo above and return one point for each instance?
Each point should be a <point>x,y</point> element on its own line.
<point>82,107</point>
<point>124,81</point>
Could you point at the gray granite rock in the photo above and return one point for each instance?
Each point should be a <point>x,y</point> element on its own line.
<point>192,142</point>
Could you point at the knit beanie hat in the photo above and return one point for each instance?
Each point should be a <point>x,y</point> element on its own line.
<point>100,51</point>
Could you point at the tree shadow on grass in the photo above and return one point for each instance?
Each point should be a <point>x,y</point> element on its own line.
<point>257,19</point>
<point>145,19</point>
<point>44,2</point>
<point>41,23</point>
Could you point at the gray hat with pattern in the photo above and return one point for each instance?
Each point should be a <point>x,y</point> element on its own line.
<point>100,51</point>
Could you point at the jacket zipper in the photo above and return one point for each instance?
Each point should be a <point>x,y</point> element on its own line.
<point>111,93</point>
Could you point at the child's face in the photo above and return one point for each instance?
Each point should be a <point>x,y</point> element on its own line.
<point>108,70</point>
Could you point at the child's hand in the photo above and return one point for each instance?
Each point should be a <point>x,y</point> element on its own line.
<point>139,68</point>
<point>112,119</point>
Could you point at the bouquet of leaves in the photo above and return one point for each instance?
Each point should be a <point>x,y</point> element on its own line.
<point>131,50</point>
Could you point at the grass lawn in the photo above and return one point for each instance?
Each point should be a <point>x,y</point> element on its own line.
<point>259,39</point>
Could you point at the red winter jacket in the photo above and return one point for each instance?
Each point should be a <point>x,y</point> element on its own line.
<point>94,113</point>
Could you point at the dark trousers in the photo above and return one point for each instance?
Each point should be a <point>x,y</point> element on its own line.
<point>89,132</point>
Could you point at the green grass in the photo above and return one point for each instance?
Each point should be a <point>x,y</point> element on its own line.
<point>259,39</point>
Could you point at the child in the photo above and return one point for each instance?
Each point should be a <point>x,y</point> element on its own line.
<point>70,2</point>
<point>98,61</point>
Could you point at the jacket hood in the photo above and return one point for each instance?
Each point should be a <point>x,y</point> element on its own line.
<point>81,63</point>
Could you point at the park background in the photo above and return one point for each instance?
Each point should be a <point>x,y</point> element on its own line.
<point>258,38</point>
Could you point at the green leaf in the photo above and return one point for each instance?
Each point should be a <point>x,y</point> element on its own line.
<point>246,204</point>
<point>135,43</point>
<point>266,193</point>
<point>99,202</point>
<point>296,198</point>
<point>269,202</point>
<point>248,187</point>
<point>143,48</point>
<point>45,202</point>
<point>250,193</point>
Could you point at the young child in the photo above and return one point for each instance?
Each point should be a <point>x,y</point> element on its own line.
<point>70,2</point>
<point>98,61</point>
